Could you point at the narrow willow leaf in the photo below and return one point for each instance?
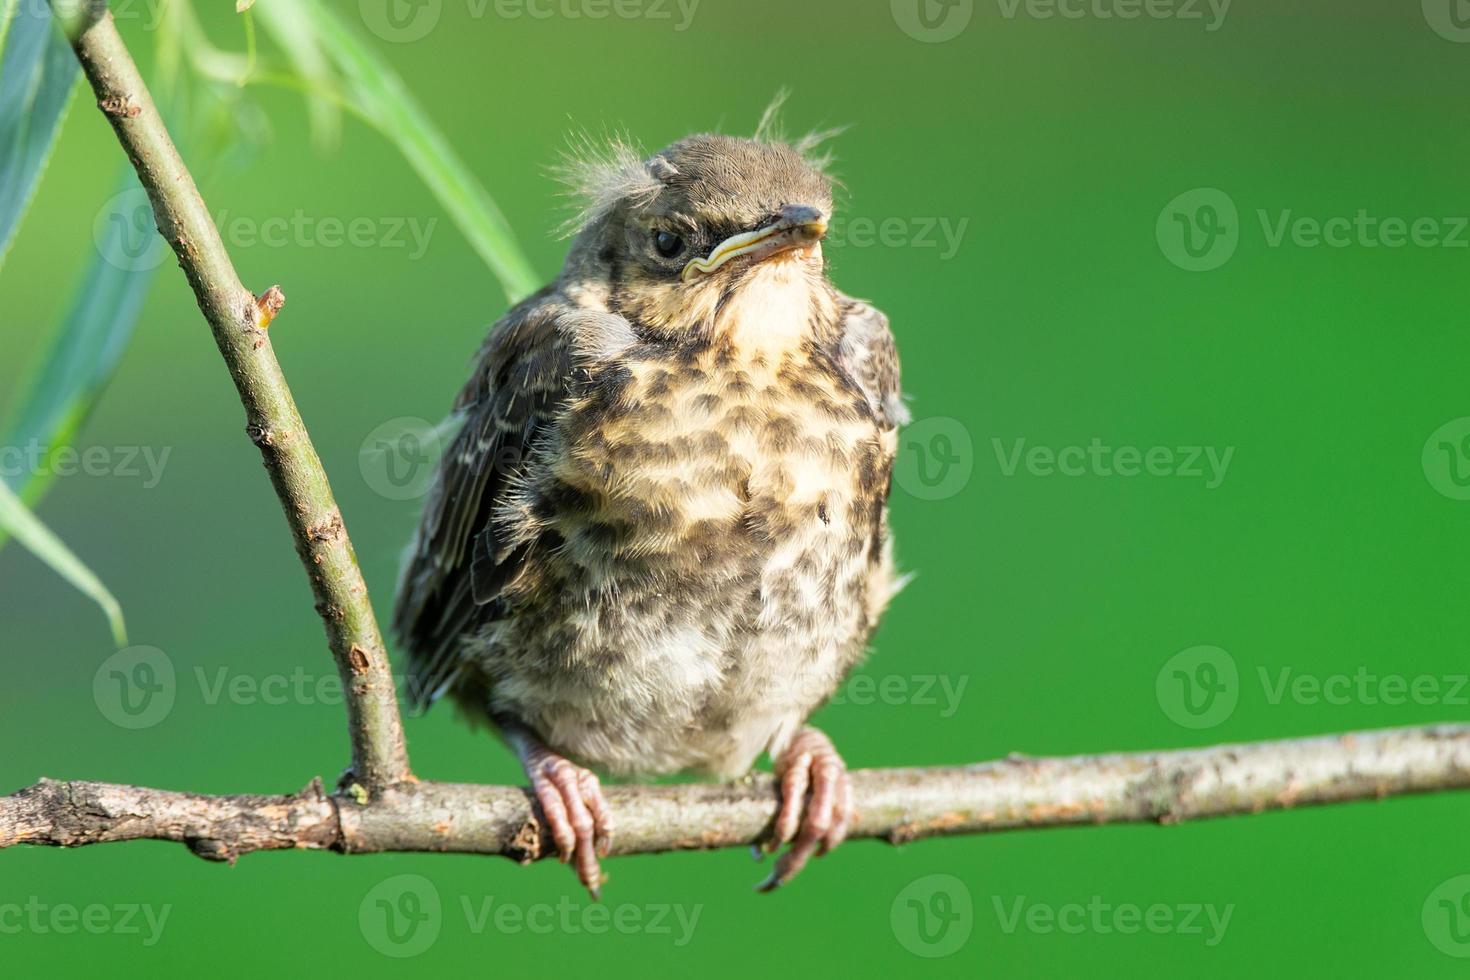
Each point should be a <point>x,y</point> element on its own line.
<point>82,356</point>
<point>7,12</point>
<point>41,542</point>
<point>381,97</point>
<point>38,72</point>
<point>294,30</point>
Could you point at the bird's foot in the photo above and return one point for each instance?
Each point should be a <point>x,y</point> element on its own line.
<point>816,804</point>
<point>576,812</point>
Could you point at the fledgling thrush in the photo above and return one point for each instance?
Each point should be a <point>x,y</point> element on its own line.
<point>659,540</point>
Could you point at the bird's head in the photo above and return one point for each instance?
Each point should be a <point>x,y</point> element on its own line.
<point>673,237</point>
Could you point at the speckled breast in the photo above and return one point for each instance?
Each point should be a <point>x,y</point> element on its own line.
<point>718,528</point>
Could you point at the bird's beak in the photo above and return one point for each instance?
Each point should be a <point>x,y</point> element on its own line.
<point>797,226</point>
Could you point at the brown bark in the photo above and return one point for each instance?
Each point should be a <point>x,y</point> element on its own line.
<point>898,805</point>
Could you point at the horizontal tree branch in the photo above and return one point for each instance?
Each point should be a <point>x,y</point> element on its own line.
<point>898,805</point>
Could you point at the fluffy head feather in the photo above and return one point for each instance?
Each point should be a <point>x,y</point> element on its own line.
<point>601,174</point>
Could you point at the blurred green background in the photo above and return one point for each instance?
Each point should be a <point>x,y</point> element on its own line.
<point>1053,149</point>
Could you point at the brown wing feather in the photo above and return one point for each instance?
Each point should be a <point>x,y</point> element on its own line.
<point>457,567</point>
<point>869,354</point>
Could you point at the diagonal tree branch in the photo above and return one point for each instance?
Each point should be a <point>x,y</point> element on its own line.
<point>239,321</point>
<point>898,805</point>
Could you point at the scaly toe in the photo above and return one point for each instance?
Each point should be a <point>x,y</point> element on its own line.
<point>814,825</point>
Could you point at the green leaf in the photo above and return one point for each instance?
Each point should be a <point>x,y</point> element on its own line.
<point>29,531</point>
<point>7,12</point>
<point>37,75</point>
<point>291,27</point>
<point>381,97</point>
<point>82,356</point>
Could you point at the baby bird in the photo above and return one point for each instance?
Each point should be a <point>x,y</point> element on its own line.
<point>659,540</point>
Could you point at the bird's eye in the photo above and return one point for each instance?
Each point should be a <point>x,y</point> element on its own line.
<point>668,244</point>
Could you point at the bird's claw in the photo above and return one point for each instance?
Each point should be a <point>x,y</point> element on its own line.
<point>816,805</point>
<point>576,813</point>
